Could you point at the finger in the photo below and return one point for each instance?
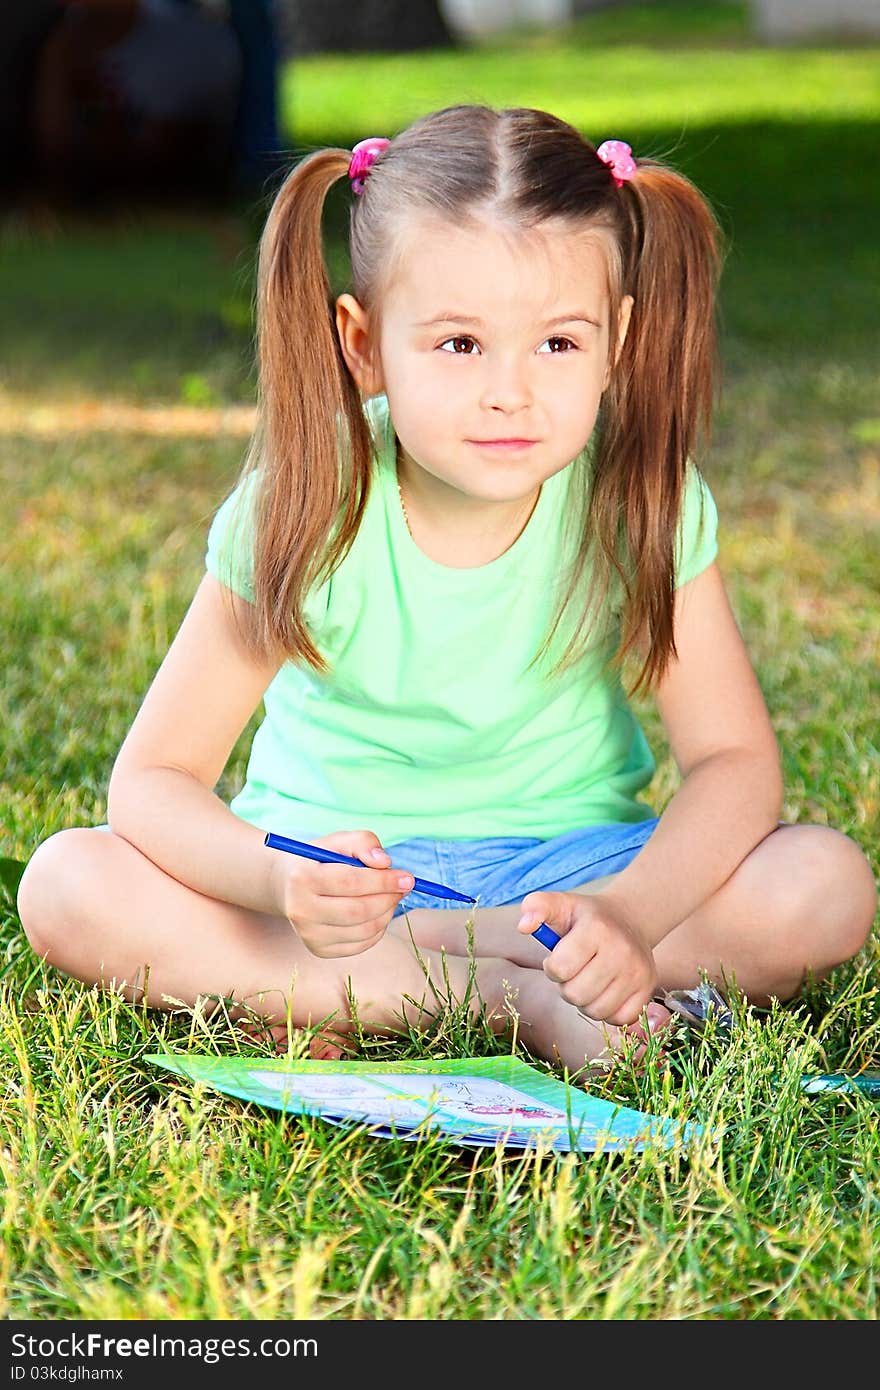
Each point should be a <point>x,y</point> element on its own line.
<point>586,986</point>
<point>325,938</point>
<point>375,857</point>
<point>340,881</point>
<point>338,950</point>
<point>620,1004</point>
<point>574,951</point>
<point>355,912</point>
<point>359,844</point>
<point>566,961</point>
<point>556,909</point>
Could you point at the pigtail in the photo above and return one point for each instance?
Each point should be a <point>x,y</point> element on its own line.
<point>659,401</point>
<point>312,446</point>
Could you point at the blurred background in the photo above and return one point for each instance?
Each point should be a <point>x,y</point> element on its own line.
<point>140,144</point>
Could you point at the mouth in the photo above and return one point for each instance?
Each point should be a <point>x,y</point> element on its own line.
<point>503,443</point>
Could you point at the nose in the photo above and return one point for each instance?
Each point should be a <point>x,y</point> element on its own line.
<point>506,386</point>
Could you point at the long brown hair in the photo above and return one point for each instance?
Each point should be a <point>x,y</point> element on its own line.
<point>312,447</point>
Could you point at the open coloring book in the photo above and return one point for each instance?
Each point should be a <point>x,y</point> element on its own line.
<point>474,1100</point>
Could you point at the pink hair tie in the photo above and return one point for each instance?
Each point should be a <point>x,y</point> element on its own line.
<point>362,156</point>
<point>618,156</point>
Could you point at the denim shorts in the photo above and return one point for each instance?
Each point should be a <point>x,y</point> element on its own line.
<point>503,870</point>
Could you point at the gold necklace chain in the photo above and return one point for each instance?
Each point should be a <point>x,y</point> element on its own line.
<point>400,489</point>
<point>403,508</point>
<point>406,513</point>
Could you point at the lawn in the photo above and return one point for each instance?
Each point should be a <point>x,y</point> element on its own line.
<point>126,392</point>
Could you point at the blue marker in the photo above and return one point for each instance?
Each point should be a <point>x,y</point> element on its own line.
<point>543,933</point>
<point>546,935</point>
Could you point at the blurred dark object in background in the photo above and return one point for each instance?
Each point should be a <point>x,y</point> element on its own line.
<point>139,98</point>
<point>379,26</point>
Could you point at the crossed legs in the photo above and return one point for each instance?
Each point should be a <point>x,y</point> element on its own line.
<point>96,908</point>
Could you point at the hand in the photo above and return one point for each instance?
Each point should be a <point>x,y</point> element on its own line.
<point>340,909</point>
<point>601,964</point>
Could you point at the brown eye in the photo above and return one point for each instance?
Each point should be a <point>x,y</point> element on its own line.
<point>456,342</point>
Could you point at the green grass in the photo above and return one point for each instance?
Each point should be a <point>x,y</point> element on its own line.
<point>129,1194</point>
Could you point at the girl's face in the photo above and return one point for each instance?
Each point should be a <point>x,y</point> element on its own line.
<point>489,335</point>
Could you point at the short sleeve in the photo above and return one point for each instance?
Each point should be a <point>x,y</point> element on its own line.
<point>697,539</point>
<point>230,553</point>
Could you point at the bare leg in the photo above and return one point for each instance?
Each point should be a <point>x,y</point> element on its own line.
<point>800,904</point>
<point>99,910</point>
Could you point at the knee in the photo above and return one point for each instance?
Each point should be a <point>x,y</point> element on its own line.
<point>839,883</point>
<point>53,890</point>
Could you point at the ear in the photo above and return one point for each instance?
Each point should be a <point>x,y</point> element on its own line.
<point>623,318</point>
<point>353,327</point>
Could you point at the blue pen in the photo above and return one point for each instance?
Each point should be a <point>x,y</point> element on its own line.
<point>543,933</point>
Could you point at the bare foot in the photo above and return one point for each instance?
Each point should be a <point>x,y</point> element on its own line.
<point>321,1049</point>
<point>559,1032</point>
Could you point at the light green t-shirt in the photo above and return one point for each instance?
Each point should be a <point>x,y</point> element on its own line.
<point>429,723</point>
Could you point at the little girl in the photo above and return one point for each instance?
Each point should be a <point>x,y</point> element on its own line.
<point>431,572</point>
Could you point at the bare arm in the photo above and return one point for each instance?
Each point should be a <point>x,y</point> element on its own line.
<point>723,743</point>
<point>161,794</point>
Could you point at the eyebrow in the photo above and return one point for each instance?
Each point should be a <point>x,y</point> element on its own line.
<point>451,317</point>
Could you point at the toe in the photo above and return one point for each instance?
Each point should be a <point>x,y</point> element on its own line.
<point>320,1050</point>
<point>658,1017</point>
